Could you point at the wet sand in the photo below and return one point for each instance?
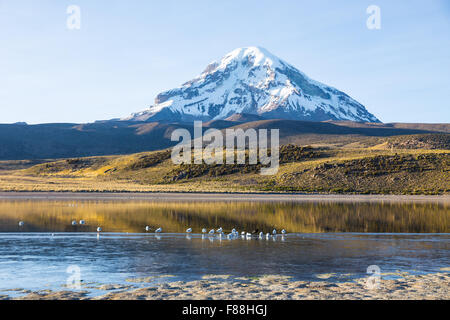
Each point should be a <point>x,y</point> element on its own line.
<point>251,197</point>
<point>408,287</point>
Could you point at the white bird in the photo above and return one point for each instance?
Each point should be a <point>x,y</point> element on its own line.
<point>21,223</point>
<point>249,235</point>
<point>219,230</point>
<point>189,230</point>
<point>74,223</point>
<point>261,235</point>
<point>211,231</point>
<point>243,233</point>
<point>82,222</point>
<point>283,231</point>
<point>233,231</point>
<point>147,228</point>
<point>159,230</point>
<point>204,230</point>
<point>274,232</point>
<point>99,229</point>
<point>267,235</point>
<point>229,236</point>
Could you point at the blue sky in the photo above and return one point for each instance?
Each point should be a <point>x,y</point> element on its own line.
<point>128,51</point>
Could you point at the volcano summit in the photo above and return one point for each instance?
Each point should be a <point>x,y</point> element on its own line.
<point>253,81</point>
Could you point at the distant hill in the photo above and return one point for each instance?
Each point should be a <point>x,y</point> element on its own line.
<point>67,140</point>
<point>420,141</point>
<point>244,117</point>
<point>51,141</point>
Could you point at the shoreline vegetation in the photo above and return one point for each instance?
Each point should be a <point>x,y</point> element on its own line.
<point>433,286</point>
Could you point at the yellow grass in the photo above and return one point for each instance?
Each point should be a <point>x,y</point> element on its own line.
<point>112,174</point>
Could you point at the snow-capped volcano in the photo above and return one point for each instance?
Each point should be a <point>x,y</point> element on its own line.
<point>253,81</point>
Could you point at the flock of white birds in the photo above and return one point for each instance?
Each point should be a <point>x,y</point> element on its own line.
<point>234,234</point>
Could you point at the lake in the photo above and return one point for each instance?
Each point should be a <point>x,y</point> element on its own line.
<point>340,240</point>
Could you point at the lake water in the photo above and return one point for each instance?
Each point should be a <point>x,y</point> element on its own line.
<point>340,240</point>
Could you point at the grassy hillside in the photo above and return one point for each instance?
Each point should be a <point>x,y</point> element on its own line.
<point>421,141</point>
<point>368,165</point>
<point>416,173</point>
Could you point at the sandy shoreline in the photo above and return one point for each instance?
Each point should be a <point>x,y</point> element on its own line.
<point>251,197</point>
<point>408,287</point>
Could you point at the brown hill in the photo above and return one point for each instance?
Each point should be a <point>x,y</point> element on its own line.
<point>244,117</point>
<point>51,141</point>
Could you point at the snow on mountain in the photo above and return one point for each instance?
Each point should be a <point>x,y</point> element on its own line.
<point>253,81</point>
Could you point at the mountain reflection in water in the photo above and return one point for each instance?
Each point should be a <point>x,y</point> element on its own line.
<point>175,217</point>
